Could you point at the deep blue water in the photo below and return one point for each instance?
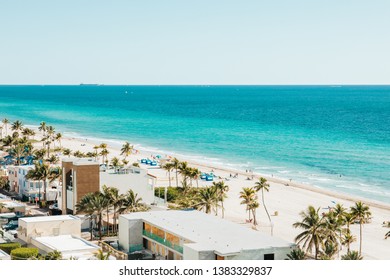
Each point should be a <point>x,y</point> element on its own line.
<point>312,134</point>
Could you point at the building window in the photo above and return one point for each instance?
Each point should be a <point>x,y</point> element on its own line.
<point>269,257</point>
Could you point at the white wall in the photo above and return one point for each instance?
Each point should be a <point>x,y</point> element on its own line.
<point>139,183</point>
<point>28,230</point>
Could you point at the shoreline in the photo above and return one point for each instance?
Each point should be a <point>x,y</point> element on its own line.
<point>145,152</point>
<point>285,200</point>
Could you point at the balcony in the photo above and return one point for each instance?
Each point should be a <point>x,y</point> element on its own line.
<point>163,241</point>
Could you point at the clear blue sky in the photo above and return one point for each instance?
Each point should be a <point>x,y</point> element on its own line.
<point>195,42</point>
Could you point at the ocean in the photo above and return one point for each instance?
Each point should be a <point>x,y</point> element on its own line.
<point>333,137</point>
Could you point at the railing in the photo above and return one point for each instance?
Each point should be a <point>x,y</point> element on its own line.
<point>163,241</point>
<point>114,252</point>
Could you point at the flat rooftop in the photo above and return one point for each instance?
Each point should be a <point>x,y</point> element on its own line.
<point>48,218</point>
<point>66,243</point>
<point>209,232</point>
<point>81,161</point>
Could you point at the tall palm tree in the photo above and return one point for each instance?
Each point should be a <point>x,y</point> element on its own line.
<point>253,205</point>
<point>248,195</point>
<point>168,167</point>
<point>96,147</point>
<point>42,127</point>
<point>207,199</point>
<point>362,213</point>
<point>126,149</point>
<point>176,164</point>
<point>184,170</point>
<point>85,206</point>
<point>17,126</point>
<point>41,172</point>
<point>104,153</point>
<point>313,225</point>
<point>107,194</point>
<point>221,190</point>
<point>263,185</point>
<point>98,203</point>
<point>5,122</point>
<point>58,138</point>
<point>347,239</point>
<point>115,162</point>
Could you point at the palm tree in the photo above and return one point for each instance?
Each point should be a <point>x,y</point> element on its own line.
<point>387,235</point>
<point>248,195</point>
<point>115,163</point>
<point>296,254</point>
<point>221,190</point>
<point>253,207</point>
<point>168,167</point>
<point>332,233</point>
<point>96,151</point>
<point>17,126</point>
<point>362,213</point>
<point>41,172</point>
<point>126,149</point>
<point>42,127</point>
<point>78,154</point>
<point>263,185</point>
<point>184,170</point>
<point>85,206</point>
<point>5,122</point>
<point>104,153</point>
<point>353,255</point>
<point>107,194</point>
<point>53,159</point>
<point>58,138</point>
<point>207,199</point>
<point>347,239</point>
<point>132,203</point>
<point>97,203</point>
<point>176,164</point>
<point>313,225</point>
<point>67,152</point>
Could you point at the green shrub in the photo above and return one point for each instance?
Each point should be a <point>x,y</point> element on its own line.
<point>24,253</point>
<point>172,193</point>
<point>8,247</point>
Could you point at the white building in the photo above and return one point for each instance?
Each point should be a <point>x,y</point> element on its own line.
<point>10,205</point>
<point>70,246</point>
<point>32,227</point>
<point>193,235</point>
<point>133,178</point>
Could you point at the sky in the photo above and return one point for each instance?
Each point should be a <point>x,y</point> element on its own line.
<point>145,42</point>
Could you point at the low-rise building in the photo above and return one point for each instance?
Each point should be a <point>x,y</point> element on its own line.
<point>193,235</point>
<point>69,246</point>
<point>32,227</point>
<point>133,178</point>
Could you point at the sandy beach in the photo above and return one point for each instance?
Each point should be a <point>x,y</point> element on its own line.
<point>286,198</point>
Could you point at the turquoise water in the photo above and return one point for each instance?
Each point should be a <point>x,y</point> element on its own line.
<point>311,134</point>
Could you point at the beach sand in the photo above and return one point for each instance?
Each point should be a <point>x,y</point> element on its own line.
<point>286,198</point>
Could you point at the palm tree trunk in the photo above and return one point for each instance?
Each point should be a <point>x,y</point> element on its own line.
<point>223,209</point>
<point>177,180</point>
<point>269,217</point>
<point>90,227</point>
<point>44,189</point>
<point>100,225</point>
<point>169,174</point>
<point>360,245</point>
<point>107,222</point>
<point>254,216</point>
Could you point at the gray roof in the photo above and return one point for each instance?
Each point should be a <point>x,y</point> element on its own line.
<point>208,232</point>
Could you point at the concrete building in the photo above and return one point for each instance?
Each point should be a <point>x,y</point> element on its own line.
<point>193,235</point>
<point>32,227</point>
<point>70,246</point>
<point>79,177</point>
<point>133,178</point>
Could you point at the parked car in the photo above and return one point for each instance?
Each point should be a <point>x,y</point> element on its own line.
<point>11,225</point>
